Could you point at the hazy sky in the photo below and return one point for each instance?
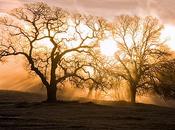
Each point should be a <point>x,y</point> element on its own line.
<point>163,9</point>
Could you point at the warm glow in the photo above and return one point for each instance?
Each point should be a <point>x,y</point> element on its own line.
<point>108,47</point>
<point>169,34</point>
<point>45,43</point>
<point>89,70</point>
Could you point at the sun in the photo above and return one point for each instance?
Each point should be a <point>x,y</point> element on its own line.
<point>108,47</point>
<point>168,34</point>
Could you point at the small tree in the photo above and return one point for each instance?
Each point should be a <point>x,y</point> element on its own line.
<point>57,46</point>
<point>101,76</point>
<point>139,49</point>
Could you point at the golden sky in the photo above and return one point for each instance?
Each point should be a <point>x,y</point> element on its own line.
<point>163,9</point>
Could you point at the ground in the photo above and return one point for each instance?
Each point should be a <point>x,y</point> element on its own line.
<point>26,111</point>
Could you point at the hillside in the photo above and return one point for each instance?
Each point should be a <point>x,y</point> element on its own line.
<point>25,111</point>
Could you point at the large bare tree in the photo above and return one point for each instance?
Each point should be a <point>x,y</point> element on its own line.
<point>139,50</point>
<point>58,46</point>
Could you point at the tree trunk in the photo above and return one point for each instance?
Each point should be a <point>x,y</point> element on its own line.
<point>89,95</point>
<point>133,94</point>
<point>51,94</point>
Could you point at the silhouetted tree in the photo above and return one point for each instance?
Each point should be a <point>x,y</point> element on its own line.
<point>57,45</point>
<point>102,78</point>
<point>139,49</point>
<point>164,79</point>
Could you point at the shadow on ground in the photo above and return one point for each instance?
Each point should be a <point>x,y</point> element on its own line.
<point>26,111</point>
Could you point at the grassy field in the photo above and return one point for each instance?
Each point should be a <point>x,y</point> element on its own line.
<point>26,111</point>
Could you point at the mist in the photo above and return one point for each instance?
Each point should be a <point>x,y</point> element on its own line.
<point>14,77</point>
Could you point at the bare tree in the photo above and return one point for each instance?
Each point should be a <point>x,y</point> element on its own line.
<point>102,78</point>
<point>164,79</point>
<point>58,46</point>
<point>139,50</point>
